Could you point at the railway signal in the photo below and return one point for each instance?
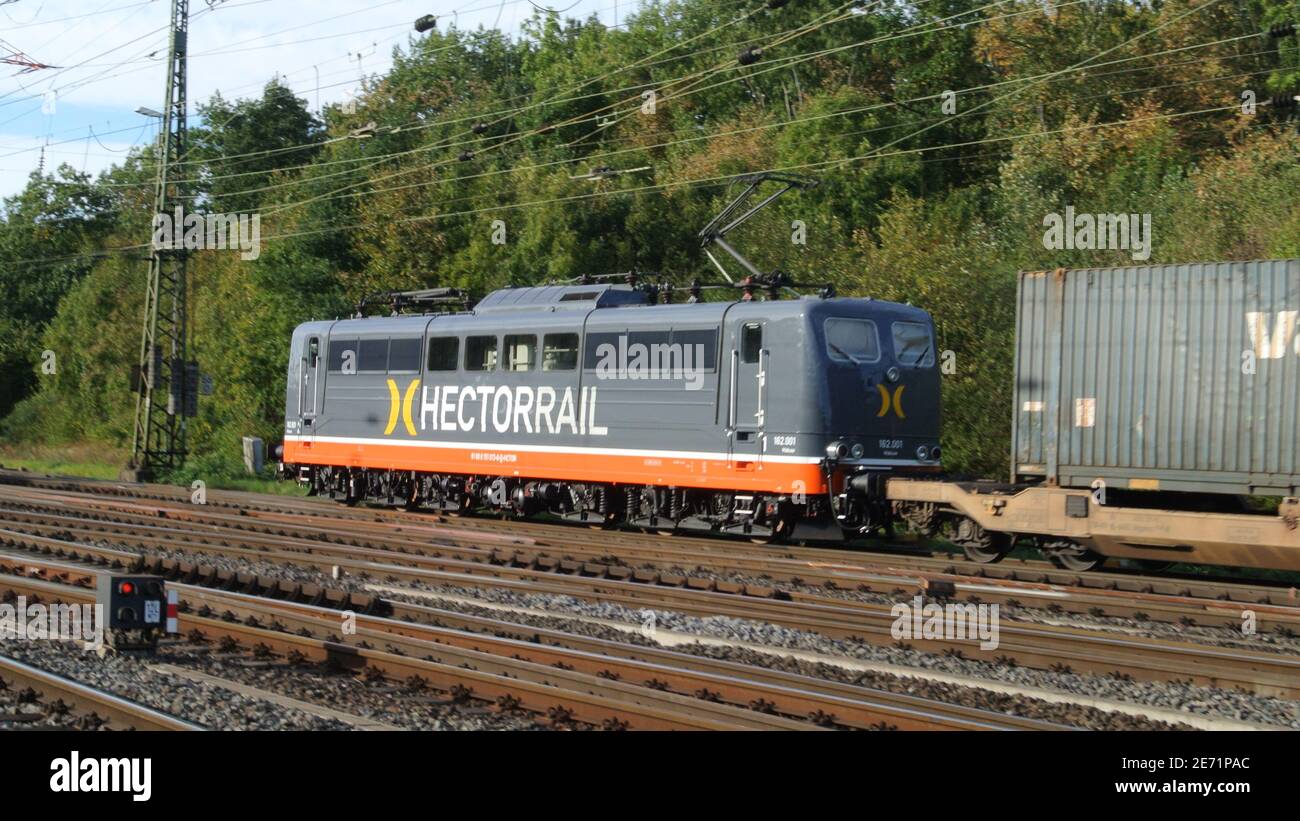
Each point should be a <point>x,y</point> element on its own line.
<point>136,611</point>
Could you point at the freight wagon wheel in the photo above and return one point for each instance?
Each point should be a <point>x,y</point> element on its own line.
<point>980,545</point>
<point>1072,556</point>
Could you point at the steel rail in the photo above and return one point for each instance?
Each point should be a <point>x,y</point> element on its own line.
<point>118,712</point>
<point>1045,647</point>
<point>892,581</point>
<point>554,692</point>
<point>570,536</point>
<point>786,693</point>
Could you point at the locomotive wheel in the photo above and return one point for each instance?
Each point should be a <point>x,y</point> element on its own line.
<point>782,527</point>
<point>783,522</point>
<point>980,545</point>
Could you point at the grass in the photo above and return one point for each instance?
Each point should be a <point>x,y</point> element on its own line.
<point>254,485</point>
<point>99,462</point>
<point>91,462</point>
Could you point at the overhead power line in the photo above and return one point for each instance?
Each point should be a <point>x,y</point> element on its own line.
<point>12,56</point>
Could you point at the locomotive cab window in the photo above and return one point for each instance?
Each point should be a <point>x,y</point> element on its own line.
<point>521,352</point>
<point>852,340</point>
<point>443,351</point>
<point>751,343</point>
<point>404,355</point>
<point>480,353</point>
<point>313,352</point>
<point>913,345</point>
<point>560,352</point>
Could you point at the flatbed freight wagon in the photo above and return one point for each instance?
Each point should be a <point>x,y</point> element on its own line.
<point>1150,401</point>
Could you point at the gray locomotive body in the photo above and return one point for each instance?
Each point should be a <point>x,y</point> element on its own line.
<point>595,403</point>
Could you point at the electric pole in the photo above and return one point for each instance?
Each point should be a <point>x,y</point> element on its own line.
<point>166,382</point>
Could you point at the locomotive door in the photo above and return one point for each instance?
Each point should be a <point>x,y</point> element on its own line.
<point>309,387</point>
<point>749,361</point>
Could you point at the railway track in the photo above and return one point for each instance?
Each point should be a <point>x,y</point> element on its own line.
<point>813,565</point>
<point>282,541</point>
<point>95,709</point>
<point>370,550</point>
<point>565,678</point>
<point>672,562</point>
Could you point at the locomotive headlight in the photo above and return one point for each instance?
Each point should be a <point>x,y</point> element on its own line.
<point>893,374</point>
<point>923,453</point>
<point>837,450</point>
<point>857,451</point>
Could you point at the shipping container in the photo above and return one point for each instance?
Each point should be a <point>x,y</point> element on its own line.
<point>1160,377</point>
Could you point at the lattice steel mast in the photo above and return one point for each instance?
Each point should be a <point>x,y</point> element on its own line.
<point>165,380</point>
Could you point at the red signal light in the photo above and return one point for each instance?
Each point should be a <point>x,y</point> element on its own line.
<point>126,588</point>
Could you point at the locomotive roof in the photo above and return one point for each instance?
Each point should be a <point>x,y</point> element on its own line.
<point>555,305</point>
<point>573,297</point>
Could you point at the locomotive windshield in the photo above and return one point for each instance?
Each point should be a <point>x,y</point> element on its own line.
<point>913,346</point>
<point>852,340</point>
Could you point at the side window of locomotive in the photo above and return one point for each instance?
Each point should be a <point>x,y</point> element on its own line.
<point>480,353</point>
<point>521,352</point>
<point>698,347</point>
<point>751,343</point>
<point>404,355</point>
<point>852,340</point>
<point>443,351</point>
<point>913,345</point>
<point>560,352</point>
<point>341,352</point>
<point>313,352</point>
<point>373,356</point>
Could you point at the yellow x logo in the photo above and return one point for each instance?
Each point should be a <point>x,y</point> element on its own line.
<point>896,400</point>
<point>404,404</point>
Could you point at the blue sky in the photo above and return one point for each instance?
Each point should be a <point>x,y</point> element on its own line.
<point>110,60</point>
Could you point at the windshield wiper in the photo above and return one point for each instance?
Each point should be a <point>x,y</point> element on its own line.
<point>915,363</point>
<point>837,349</point>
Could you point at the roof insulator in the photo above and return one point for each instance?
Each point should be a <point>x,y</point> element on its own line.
<point>479,128</point>
<point>1281,30</point>
<point>1286,102</point>
<point>425,23</point>
<point>750,56</point>
<point>776,4</point>
<point>465,156</point>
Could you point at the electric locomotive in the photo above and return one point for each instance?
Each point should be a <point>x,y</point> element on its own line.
<point>598,403</point>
